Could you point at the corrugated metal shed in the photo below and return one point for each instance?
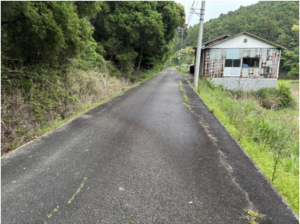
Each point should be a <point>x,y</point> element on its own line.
<point>247,56</point>
<point>214,62</point>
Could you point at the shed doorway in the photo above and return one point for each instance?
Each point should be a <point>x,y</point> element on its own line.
<point>232,67</point>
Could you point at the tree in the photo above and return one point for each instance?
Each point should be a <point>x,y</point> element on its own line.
<point>88,9</point>
<point>46,33</point>
<point>136,34</point>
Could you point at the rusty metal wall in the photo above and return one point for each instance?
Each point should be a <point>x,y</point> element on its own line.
<point>214,60</point>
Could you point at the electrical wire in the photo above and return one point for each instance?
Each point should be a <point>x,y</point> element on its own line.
<point>196,4</point>
<point>190,13</point>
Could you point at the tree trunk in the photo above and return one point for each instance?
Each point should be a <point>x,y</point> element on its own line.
<point>140,60</point>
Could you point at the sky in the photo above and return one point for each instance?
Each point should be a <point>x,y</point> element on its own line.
<point>213,9</point>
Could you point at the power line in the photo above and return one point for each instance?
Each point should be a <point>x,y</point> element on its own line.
<point>189,5</point>
<point>190,13</point>
<point>196,4</point>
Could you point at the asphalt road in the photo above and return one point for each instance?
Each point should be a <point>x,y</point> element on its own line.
<point>142,157</point>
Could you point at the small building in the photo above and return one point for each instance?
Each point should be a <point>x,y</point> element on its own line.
<point>244,61</point>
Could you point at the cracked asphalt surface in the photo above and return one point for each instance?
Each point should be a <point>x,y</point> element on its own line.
<point>142,157</point>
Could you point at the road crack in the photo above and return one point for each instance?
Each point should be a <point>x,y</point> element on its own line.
<point>56,209</point>
<point>77,191</point>
<point>222,157</point>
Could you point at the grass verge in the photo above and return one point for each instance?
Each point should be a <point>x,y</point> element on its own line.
<point>270,137</point>
<point>49,104</point>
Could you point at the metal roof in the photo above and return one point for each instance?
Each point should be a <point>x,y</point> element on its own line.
<point>217,38</point>
<point>244,32</point>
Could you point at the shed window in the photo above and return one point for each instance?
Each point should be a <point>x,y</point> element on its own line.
<point>250,62</point>
<point>228,63</point>
<point>237,63</point>
<point>232,63</point>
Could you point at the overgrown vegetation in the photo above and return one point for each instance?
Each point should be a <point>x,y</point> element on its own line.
<point>294,87</point>
<point>183,69</point>
<point>274,21</point>
<point>33,108</point>
<point>187,56</point>
<point>269,98</point>
<point>58,58</point>
<point>253,217</point>
<point>269,135</point>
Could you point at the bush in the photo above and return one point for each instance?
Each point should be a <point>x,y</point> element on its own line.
<point>286,98</point>
<point>275,98</point>
<point>236,94</point>
<point>113,71</point>
<point>269,98</point>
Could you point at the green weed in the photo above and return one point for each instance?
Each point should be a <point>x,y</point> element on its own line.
<point>269,136</point>
<point>253,217</point>
<point>180,86</point>
<point>186,99</point>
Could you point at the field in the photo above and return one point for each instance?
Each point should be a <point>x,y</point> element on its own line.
<point>269,136</point>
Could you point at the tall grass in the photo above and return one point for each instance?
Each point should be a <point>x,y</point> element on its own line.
<point>25,111</point>
<point>33,106</point>
<point>270,136</point>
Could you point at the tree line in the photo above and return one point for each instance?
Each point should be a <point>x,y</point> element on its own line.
<point>132,35</point>
<point>274,21</point>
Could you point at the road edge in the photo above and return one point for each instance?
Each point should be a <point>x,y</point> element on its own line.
<point>248,157</point>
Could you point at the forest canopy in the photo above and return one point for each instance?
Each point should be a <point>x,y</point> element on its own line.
<point>130,34</point>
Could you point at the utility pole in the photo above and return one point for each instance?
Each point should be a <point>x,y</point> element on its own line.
<point>181,29</point>
<point>199,45</point>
